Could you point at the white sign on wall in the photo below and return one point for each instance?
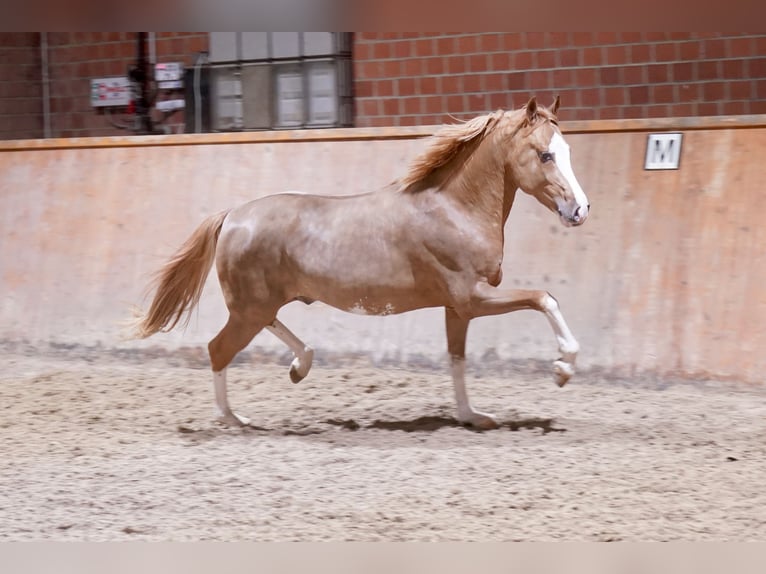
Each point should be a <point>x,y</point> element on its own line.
<point>109,92</point>
<point>663,151</point>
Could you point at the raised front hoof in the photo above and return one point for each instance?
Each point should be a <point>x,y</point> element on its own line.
<point>480,421</point>
<point>562,372</point>
<point>299,368</point>
<point>232,419</point>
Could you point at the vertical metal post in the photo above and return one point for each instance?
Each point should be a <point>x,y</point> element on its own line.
<point>145,126</point>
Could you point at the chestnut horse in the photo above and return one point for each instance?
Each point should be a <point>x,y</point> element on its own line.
<point>431,239</point>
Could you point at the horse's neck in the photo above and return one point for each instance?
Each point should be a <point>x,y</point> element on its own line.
<point>479,183</point>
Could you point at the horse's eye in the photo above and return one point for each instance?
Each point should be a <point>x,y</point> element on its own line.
<point>546,156</point>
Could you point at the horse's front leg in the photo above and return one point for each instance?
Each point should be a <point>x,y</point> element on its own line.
<point>457,328</point>
<point>488,300</point>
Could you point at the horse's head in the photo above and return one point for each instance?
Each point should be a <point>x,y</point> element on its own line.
<point>541,166</point>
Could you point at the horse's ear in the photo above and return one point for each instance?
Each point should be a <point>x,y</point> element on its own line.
<point>555,106</point>
<point>532,109</point>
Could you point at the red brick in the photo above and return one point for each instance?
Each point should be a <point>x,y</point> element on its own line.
<point>424,47</point>
<point>757,67</point>
<point>500,61</point>
<point>405,86</point>
<point>615,97</point>
<point>534,40</point>
<point>590,97</point>
<point>538,80</point>
<point>658,73</point>
<point>456,65</point>
<point>640,53</point>
<point>708,109</point>
<point>455,104</point>
<point>390,107</point>
<point>363,89</point>
<point>660,111</point>
<point>433,104</point>
<point>689,50</point>
<point>632,75</point>
<point>568,58</point>
<point>477,63</point>
<point>663,94</point>
<point>558,40</point>
<point>630,37</point>
<point>591,57</point>
<point>384,88</point>
<point>434,66</point>
<point>606,37</point>
<point>369,107</point>
<point>562,78</point>
<point>489,42</point>
<point>714,91</point>
<point>638,95</point>
<point>546,59</point>
<point>495,82</point>
<point>412,67</point>
<point>445,46</point>
<point>523,61</point>
<point>739,47</point>
<point>517,80</point>
<point>466,45</point>
<point>741,90</point>
<point>427,85</point>
<point>682,110</point>
<point>582,39</point>
<point>402,49</point>
<point>714,49</point>
<point>734,108</point>
<point>610,76</point>
<point>585,77</point>
<point>499,100</point>
<point>473,83</point>
<point>610,113</point>
<point>512,41</point>
<point>733,69</point>
<point>689,92</point>
<point>408,106</point>
<point>683,72</point>
<point>706,70</point>
<point>616,55</point>
<point>452,84</point>
<point>665,52</point>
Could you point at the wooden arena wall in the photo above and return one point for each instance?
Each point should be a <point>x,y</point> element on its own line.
<point>666,277</point>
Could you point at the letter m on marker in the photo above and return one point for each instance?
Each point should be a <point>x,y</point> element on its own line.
<point>663,151</point>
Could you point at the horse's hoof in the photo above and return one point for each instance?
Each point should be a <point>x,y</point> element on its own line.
<point>233,420</point>
<point>562,372</point>
<point>480,421</point>
<point>300,367</point>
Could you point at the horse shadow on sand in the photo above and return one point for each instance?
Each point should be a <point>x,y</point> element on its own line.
<point>424,424</point>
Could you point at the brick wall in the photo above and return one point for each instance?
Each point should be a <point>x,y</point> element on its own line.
<point>21,108</point>
<point>74,58</point>
<point>418,78</point>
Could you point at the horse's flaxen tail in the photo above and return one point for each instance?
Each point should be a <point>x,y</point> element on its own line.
<point>180,281</point>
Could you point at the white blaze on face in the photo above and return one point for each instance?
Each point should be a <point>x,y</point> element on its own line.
<point>560,149</point>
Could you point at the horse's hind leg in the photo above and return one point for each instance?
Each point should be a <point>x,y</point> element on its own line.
<point>234,337</point>
<point>304,355</point>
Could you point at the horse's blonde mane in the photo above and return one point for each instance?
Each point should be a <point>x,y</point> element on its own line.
<point>446,144</point>
<point>451,139</point>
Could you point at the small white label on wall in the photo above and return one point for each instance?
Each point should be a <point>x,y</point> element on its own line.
<point>663,151</point>
<point>109,92</point>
